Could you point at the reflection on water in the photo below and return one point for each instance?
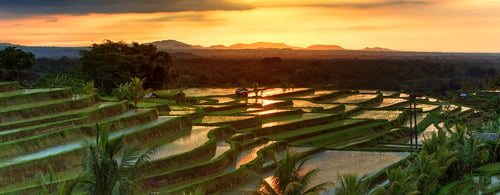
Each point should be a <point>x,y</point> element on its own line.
<point>248,155</point>
<point>317,94</point>
<point>354,99</point>
<point>304,116</point>
<point>333,163</point>
<point>386,102</point>
<point>275,91</point>
<point>379,114</point>
<point>426,107</point>
<point>196,138</point>
<point>266,112</point>
<point>388,93</point>
<point>305,103</point>
<point>222,147</point>
<point>221,119</point>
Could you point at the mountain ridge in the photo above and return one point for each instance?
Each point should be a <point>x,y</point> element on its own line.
<point>174,44</point>
<point>54,51</point>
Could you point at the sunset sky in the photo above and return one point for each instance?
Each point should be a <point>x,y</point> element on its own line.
<point>409,25</point>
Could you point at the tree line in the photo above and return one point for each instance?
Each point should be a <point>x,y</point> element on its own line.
<point>110,64</point>
<point>431,76</point>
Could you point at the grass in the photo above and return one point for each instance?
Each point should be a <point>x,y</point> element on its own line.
<point>489,168</point>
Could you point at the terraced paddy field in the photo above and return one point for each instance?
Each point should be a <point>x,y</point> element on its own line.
<point>219,143</point>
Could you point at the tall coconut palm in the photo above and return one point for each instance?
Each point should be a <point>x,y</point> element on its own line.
<point>110,166</point>
<point>289,179</point>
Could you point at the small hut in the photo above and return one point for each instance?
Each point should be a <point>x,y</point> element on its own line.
<point>241,92</point>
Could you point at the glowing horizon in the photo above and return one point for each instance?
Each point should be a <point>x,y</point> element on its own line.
<point>411,25</point>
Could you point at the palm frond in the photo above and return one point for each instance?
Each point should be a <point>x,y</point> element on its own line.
<point>268,189</point>
<point>293,188</point>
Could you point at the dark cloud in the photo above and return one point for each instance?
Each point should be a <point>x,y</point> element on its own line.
<point>79,7</point>
<point>182,17</point>
<point>369,5</point>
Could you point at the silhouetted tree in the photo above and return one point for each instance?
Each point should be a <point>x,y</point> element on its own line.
<point>112,63</point>
<point>14,61</point>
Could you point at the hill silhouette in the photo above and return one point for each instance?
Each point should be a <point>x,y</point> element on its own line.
<point>324,47</point>
<point>73,52</point>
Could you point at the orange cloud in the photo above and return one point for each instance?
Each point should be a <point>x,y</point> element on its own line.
<point>447,25</point>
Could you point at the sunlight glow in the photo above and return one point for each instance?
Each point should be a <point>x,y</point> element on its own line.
<point>461,25</point>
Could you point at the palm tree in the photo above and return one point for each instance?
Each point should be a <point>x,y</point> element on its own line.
<point>137,89</point>
<point>110,166</point>
<point>350,184</point>
<point>288,179</point>
<point>401,182</point>
<point>431,164</point>
<point>46,184</point>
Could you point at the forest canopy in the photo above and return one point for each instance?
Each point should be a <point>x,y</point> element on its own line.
<point>111,63</point>
<point>14,62</point>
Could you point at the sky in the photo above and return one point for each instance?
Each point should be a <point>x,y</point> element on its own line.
<point>407,25</point>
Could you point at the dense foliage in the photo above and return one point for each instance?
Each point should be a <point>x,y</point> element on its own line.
<point>112,63</point>
<point>14,62</point>
<point>433,76</point>
<point>448,156</point>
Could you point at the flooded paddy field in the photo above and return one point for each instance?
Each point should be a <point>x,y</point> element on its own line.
<point>215,140</point>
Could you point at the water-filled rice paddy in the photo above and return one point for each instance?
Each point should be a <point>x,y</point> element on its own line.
<point>387,102</point>
<point>249,155</point>
<point>427,107</point>
<point>280,113</point>
<point>268,112</point>
<point>332,163</point>
<point>317,94</point>
<point>200,92</point>
<point>222,119</point>
<point>222,100</point>
<point>275,91</point>
<point>368,91</point>
<point>196,138</point>
<point>389,93</point>
<point>378,114</point>
<point>260,101</point>
<point>354,98</point>
<point>309,104</point>
<point>302,117</point>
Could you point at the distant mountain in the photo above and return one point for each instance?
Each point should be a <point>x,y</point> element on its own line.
<point>324,47</point>
<point>262,45</point>
<point>376,49</point>
<point>177,45</point>
<point>73,52</point>
<point>173,44</point>
<point>7,45</point>
<point>48,52</point>
<point>218,47</point>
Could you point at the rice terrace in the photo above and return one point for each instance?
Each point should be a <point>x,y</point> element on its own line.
<point>208,141</point>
